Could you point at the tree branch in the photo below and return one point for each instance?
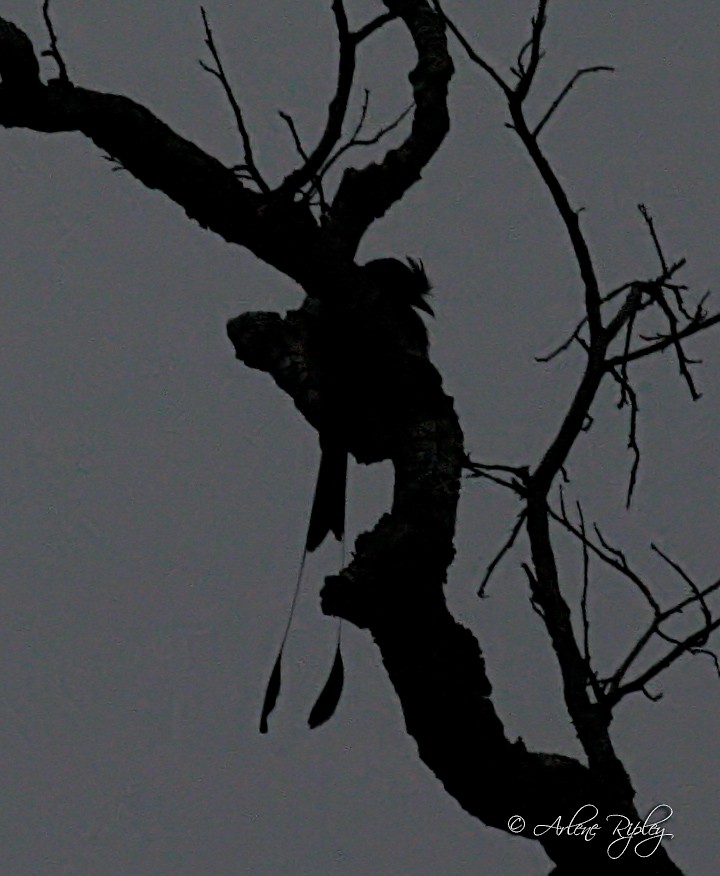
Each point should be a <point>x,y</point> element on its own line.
<point>367,29</point>
<point>219,72</point>
<point>564,93</point>
<point>663,343</point>
<point>686,645</point>
<point>356,140</point>
<point>515,98</point>
<point>284,235</point>
<point>54,50</point>
<point>610,556</point>
<point>470,52</point>
<point>336,111</point>
<point>507,546</point>
<point>365,195</point>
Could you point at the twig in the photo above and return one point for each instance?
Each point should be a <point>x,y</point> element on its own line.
<point>683,361</point>
<point>290,122</point>
<point>689,644</point>
<point>586,584</point>
<point>54,50</point>
<point>355,140</point>
<point>501,553</point>
<point>569,217</point>
<point>651,228</point>
<point>470,52</point>
<point>520,471</point>
<point>707,615</point>
<point>373,25</point>
<point>337,109</point>
<point>519,70</point>
<point>624,369</point>
<point>575,336</point>
<point>480,470</point>
<point>515,98</point>
<point>663,343</point>
<point>536,54</point>
<point>317,181</point>
<point>605,552</point>
<point>367,192</point>
<point>689,600</point>
<point>692,643</point>
<point>711,654</point>
<point>628,397</point>
<point>566,90</point>
<point>219,72</point>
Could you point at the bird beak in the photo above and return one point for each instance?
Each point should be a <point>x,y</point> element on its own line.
<point>423,305</point>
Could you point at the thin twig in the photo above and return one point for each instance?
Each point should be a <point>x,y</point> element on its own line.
<point>683,361</point>
<point>219,72</point>
<point>628,397</point>
<point>501,553</point>
<point>575,336</point>
<point>691,643</point>
<point>367,141</point>
<point>569,217</point>
<point>624,370</point>
<point>605,553</point>
<point>519,70</point>
<point>675,289</point>
<point>663,343</point>
<point>520,471</point>
<point>317,181</point>
<point>586,584</point>
<point>336,110</point>
<point>470,52</point>
<point>536,54</point>
<point>711,654</point>
<point>54,50</point>
<point>689,600</point>
<point>688,644</point>
<point>373,25</point>
<point>627,311</point>
<point>290,122</point>
<point>480,470</point>
<point>644,212</point>
<point>566,90</point>
<point>706,613</point>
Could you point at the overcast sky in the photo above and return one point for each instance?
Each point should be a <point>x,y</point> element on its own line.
<point>156,492</point>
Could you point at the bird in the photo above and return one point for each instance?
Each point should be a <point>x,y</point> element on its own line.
<point>402,283</point>
<point>400,288</point>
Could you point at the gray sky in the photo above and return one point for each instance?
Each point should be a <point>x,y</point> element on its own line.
<point>157,492</point>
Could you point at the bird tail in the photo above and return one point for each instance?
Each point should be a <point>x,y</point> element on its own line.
<point>328,508</point>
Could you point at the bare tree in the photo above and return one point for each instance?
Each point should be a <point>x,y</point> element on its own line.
<point>354,359</point>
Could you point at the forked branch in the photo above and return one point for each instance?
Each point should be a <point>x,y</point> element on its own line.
<point>366,194</point>
<point>336,111</point>
<point>219,72</point>
<point>54,50</point>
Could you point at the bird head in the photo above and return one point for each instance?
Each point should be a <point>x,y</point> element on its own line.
<point>407,282</point>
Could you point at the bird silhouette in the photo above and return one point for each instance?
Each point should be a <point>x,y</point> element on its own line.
<point>401,289</point>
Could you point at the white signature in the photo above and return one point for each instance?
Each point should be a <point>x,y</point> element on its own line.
<point>645,836</point>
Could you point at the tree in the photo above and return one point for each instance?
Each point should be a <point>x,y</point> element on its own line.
<point>399,567</point>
